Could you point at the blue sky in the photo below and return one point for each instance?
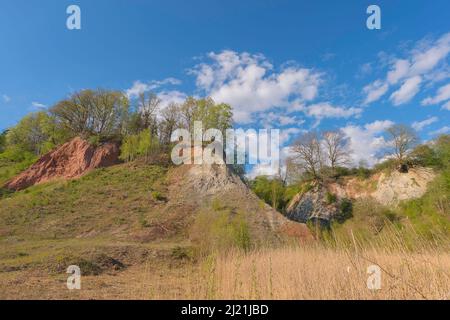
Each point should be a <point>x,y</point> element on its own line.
<point>294,65</point>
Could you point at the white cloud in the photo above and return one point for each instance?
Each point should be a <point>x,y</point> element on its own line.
<point>375,91</point>
<point>425,59</point>
<point>287,134</point>
<point>365,70</point>
<point>137,88</point>
<point>442,130</point>
<point>326,110</point>
<point>173,96</point>
<point>443,94</point>
<point>407,91</point>
<point>421,63</point>
<point>263,169</point>
<point>272,119</point>
<point>398,71</point>
<point>446,106</point>
<point>419,125</point>
<point>38,106</point>
<point>140,87</point>
<point>6,98</point>
<point>367,142</point>
<point>249,83</point>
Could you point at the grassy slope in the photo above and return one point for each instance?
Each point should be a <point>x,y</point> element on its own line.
<point>118,211</point>
<point>117,219</point>
<point>106,212</point>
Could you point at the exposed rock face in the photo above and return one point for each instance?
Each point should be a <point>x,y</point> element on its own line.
<point>312,205</point>
<point>402,186</point>
<point>387,189</point>
<point>70,160</point>
<point>197,185</point>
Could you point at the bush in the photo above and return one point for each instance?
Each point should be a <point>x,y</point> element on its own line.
<point>388,165</point>
<point>330,198</point>
<point>182,253</point>
<point>345,211</point>
<point>272,191</point>
<point>220,231</point>
<point>156,195</point>
<point>141,145</point>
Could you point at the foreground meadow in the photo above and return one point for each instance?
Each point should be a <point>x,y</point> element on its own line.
<point>311,271</point>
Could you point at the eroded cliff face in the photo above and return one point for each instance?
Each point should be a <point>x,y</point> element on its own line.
<point>197,185</point>
<point>386,188</point>
<point>70,160</point>
<point>312,204</point>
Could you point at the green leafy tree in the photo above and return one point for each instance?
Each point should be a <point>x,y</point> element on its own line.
<point>3,141</point>
<point>37,133</point>
<point>212,115</point>
<point>140,145</point>
<point>93,112</point>
<point>272,191</point>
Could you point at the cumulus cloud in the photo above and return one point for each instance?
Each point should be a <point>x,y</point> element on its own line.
<point>420,63</point>
<point>139,87</point>
<point>287,134</point>
<point>442,130</point>
<point>168,97</point>
<point>326,110</point>
<point>419,125</point>
<point>375,91</point>
<point>367,141</point>
<point>250,84</point>
<point>274,119</point>
<point>407,91</point>
<point>398,71</point>
<point>443,94</point>
<point>38,106</point>
<point>263,169</point>
<point>446,106</point>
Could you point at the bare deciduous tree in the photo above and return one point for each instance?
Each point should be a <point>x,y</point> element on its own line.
<point>170,120</point>
<point>336,149</point>
<point>401,140</point>
<point>148,105</point>
<point>308,152</point>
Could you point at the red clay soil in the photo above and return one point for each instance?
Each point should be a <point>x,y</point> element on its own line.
<point>71,160</point>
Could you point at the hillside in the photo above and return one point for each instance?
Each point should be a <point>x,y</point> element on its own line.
<point>130,211</point>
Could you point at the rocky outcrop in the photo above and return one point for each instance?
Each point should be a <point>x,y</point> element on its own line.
<point>386,188</point>
<point>398,186</point>
<point>313,205</point>
<point>197,185</point>
<point>70,160</point>
<point>326,202</point>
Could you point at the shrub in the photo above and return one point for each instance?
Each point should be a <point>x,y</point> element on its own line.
<point>217,205</point>
<point>272,191</point>
<point>220,231</point>
<point>330,198</point>
<point>141,145</point>
<point>156,195</point>
<point>345,211</point>
<point>182,253</point>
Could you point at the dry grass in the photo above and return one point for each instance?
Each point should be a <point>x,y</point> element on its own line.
<point>312,272</point>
